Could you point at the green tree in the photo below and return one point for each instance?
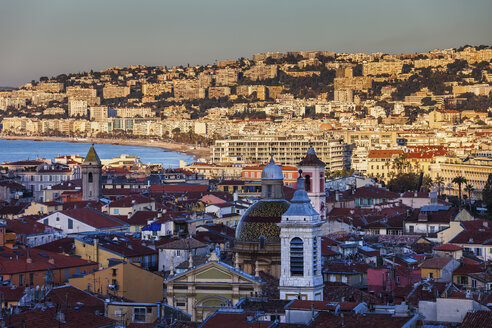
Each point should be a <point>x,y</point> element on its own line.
<point>439,181</point>
<point>487,195</point>
<point>459,180</point>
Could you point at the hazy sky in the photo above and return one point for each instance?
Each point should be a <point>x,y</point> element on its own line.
<point>49,37</point>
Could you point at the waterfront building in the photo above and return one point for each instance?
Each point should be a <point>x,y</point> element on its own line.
<point>290,150</point>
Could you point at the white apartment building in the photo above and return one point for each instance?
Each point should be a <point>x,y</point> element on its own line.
<point>77,108</point>
<point>287,150</point>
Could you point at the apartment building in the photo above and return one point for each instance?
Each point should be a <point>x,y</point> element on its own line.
<point>287,150</point>
<point>114,91</point>
<point>49,87</point>
<point>344,95</point>
<point>226,76</point>
<point>261,72</point>
<point>128,112</point>
<point>353,83</point>
<point>77,108</point>
<point>382,67</point>
<point>78,92</point>
<point>475,170</point>
<point>155,89</point>
<point>218,92</point>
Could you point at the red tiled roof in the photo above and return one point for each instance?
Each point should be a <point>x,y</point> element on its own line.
<point>63,245</point>
<point>71,296</point>
<point>47,319</point>
<point>93,218</point>
<point>473,237</point>
<point>236,320</point>
<point>11,293</point>
<point>15,261</point>
<point>321,305</point>
<point>142,217</point>
<point>128,201</point>
<point>436,263</point>
<point>478,319</point>
<point>28,227</point>
<point>448,248</point>
<point>179,188</point>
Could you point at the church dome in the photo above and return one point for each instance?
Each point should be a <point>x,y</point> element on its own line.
<point>261,220</point>
<point>272,171</point>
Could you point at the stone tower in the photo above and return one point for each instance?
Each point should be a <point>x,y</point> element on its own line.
<point>91,170</point>
<point>300,242</point>
<point>314,174</point>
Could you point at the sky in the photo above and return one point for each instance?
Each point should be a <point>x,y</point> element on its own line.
<point>50,37</point>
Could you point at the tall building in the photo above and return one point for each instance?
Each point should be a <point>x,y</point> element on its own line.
<point>91,170</point>
<point>314,174</point>
<point>77,108</point>
<point>300,275</point>
<point>257,245</point>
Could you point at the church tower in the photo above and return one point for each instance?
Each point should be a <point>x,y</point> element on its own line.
<point>314,174</point>
<point>91,170</point>
<point>300,275</point>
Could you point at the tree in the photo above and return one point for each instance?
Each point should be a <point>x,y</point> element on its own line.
<point>487,194</point>
<point>439,181</point>
<point>459,180</point>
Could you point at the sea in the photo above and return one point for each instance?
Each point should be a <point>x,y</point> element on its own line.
<point>16,150</point>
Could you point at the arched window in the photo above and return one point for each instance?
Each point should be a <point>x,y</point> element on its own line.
<point>262,242</point>
<point>296,257</point>
<point>90,178</point>
<point>269,191</point>
<point>307,183</point>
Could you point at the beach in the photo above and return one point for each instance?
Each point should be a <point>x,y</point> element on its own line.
<point>196,152</point>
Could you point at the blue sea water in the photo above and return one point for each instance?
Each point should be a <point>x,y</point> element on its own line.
<point>15,150</point>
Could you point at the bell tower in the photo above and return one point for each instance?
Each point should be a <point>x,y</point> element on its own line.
<point>91,170</point>
<point>300,241</point>
<point>314,174</point>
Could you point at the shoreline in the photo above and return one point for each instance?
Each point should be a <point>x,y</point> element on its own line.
<point>197,153</point>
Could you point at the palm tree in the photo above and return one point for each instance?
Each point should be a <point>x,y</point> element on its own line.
<point>469,189</point>
<point>439,181</point>
<point>459,180</point>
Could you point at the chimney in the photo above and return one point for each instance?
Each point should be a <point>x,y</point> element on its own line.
<point>337,196</point>
<point>29,260</point>
<point>236,196</point>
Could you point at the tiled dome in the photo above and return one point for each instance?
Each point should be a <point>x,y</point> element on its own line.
<point>261,220</point>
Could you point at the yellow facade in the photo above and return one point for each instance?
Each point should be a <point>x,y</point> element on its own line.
<point>123,280</point>
<point>430,273</point>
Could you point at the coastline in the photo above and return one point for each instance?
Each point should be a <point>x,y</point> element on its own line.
<point>196,152</point>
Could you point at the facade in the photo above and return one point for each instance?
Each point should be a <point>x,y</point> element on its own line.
<point>289,150</point>
<point>120,281</point>
<point>203,289</point>
<point>91,171</point>
<point>300,228</point>
<point>77,108</point>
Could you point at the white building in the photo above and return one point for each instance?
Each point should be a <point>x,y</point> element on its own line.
<point>300,275</point>
<point>77,108</point>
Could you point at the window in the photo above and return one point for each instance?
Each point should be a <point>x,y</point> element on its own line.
<point>269,191</point>
<point>433,229</point>
<point>296,257</point>
<point>262,242</point>
<point>21,280</point>
<point>474,283</point>
<point>398,280</point>
<point>70,224</point>
<point>411,229</point>
<point>307,185</point>
<point>45,221</point>
<point>90,178</point>
<point>431,275</point>
<point>31,279</point>
<point>116,211</point>
<point>139,314</point>
<point>478,251</point>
